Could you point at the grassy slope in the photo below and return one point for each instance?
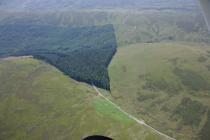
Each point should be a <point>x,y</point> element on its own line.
<point>38,102</point>
<point>167,84</point>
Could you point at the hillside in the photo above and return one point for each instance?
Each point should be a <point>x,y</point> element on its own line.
<point>167,84</point>
<point>129,26</point>
<point>159,72</point>
<point>45,104</point>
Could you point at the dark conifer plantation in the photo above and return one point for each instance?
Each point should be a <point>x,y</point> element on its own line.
<point>82,53</point>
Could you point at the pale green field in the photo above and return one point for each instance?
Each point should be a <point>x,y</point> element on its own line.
<point>37,102</point>
<point>166,84</point>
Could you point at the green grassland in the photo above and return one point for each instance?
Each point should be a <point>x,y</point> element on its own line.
<point>106,108</point>
<point>38,102</point>
<point>167,84</point>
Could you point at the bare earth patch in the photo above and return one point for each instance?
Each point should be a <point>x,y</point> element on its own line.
<point>15,58</point>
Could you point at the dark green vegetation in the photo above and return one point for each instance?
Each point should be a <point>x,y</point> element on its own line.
<point>204,133</point>
<point>37,102</point>
<point>202,59</point>
<point>208,67</point>
<point>82,53</point>
<point>160,84</point>
<point>192,80</point>
<point>166,85</point>
<point>191,112</point>
<point>143,97</point>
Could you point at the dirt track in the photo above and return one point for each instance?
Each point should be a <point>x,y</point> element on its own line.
<point>15,57</point>
<point>141,122</point>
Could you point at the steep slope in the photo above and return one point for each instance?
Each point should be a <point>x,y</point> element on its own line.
<point>38,102</point>
<point>167,84</point>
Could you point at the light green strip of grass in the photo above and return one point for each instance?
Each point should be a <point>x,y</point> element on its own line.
<point>111,111</point>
